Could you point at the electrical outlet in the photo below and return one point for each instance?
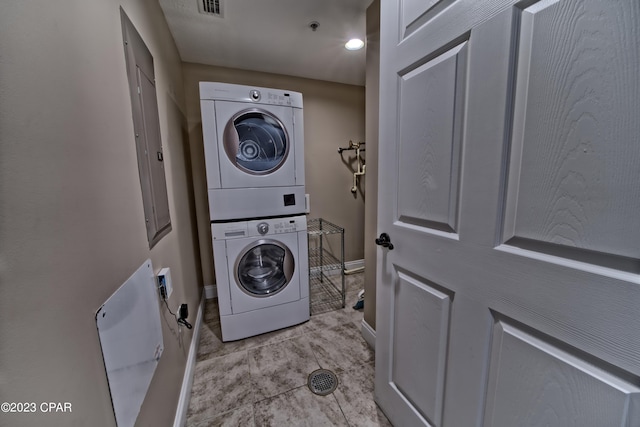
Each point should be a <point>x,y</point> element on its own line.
<point>164,283</point>
<point>162,287</point>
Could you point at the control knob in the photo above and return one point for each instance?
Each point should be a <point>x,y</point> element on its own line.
<point>263,228</point>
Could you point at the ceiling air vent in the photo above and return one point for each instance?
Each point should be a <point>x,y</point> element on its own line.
<point>210,7</point>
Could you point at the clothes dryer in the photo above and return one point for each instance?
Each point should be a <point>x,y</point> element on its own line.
<point>254,151</point>
<point>262,273</point>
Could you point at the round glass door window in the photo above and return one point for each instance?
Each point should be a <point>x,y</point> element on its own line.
<point>265,268</point>
<point>256,142</point>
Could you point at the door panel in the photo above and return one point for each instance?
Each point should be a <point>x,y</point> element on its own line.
<point>512,290</point>
<point>421,331</point>
<point>575,154</point>
<point>151,128</point>
<point>534,381</point>
<point>429,140</point>
<point>416,12</point>
<point>413,9</point>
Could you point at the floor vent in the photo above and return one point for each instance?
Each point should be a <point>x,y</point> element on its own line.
<point>322,382</point>
<point>210,7</point>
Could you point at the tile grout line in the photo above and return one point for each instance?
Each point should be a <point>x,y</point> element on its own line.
<point>339,406</point>
<point>253,394</point>
<point>333,392</point>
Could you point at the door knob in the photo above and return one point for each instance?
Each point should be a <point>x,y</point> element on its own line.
<point>384,241</point>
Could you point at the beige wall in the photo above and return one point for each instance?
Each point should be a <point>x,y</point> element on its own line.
<point>71,219</point>
<point>333,115</point>
<point>371,205</point>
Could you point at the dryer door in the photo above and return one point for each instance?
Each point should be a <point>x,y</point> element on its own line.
<point>256,146</point>
<point>263,272</point>
<point>256,142</point>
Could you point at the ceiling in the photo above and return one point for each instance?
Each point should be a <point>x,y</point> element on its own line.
<point>273,36</point>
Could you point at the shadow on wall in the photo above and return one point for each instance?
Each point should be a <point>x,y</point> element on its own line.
<point>199,185</point>
<point>181,140</point>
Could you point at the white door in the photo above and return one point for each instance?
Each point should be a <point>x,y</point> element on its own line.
<point>509,184</point>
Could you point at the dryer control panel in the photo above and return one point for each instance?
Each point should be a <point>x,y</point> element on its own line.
<point>239,93</point>
<point>276,98</point>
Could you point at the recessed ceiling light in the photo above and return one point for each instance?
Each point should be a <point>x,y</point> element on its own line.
<point>354,44</point>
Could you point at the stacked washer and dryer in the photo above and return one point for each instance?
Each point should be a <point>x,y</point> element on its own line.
<point>254,156</point>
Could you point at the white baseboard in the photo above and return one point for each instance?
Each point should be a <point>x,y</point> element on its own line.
<point>210,291</point>
<point>369,334</point>
<point>348,265</point>
<point>187,380</point>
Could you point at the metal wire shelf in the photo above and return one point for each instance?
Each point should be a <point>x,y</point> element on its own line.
<point>322,260</point>
<point>318,226</point>
<point>325,268</point>
<point>325,294</point>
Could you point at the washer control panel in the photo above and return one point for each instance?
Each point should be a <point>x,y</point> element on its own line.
<point>286,226</point>
<point>271,226</point>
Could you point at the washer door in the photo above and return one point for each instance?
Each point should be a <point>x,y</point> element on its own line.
<point>264,268</point>
<point>256,141</point>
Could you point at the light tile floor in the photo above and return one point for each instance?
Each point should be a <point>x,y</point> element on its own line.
<point>262,380</point>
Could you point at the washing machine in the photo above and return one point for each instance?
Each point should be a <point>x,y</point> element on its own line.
<point>262,273</point>
<point>254,151</point>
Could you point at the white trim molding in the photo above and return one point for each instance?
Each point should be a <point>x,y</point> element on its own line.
<point>369,334</point>
<point>210,291</point>
<point>357,263</point>
<point>187,379</point>
<point>348,265</point>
